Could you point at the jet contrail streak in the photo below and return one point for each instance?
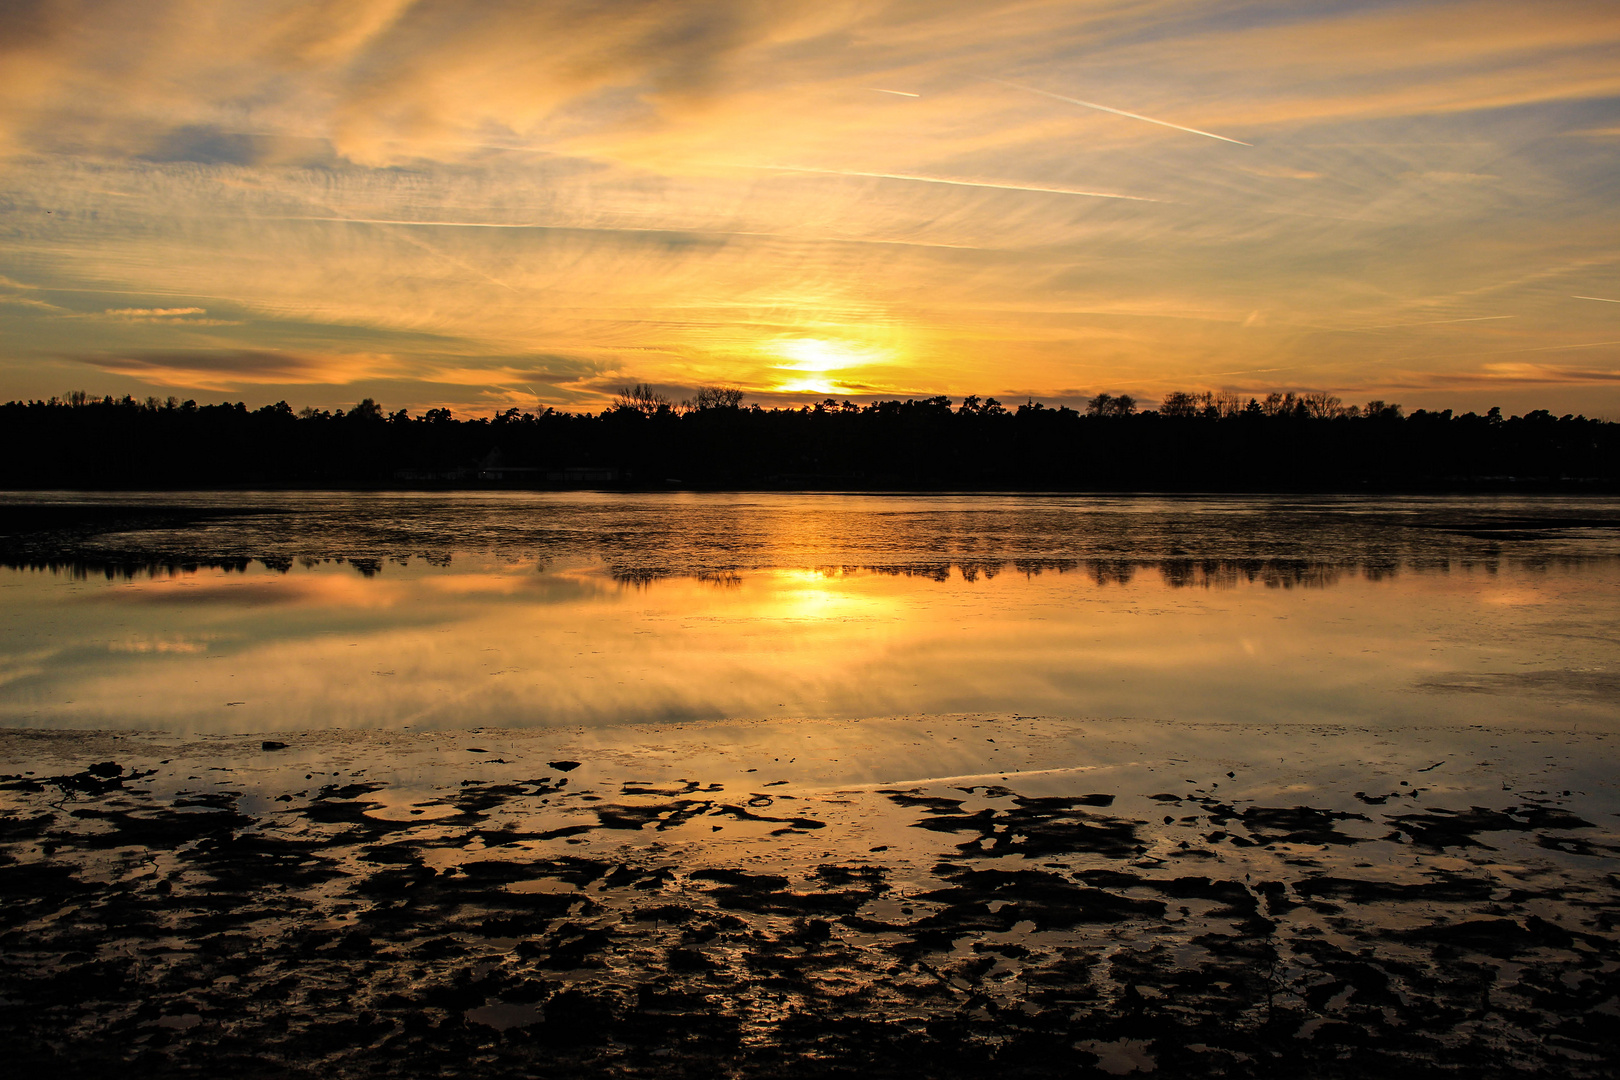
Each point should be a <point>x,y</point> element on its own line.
<point>1584,345</point>
<point>395,229</point>
<point>1439,322</point>
<point>897,93</point>
<point>957,183</point>
<point>405,235</point>
<point>1605,299</point>
<point>1119,112</point>
<point>1243,371</point>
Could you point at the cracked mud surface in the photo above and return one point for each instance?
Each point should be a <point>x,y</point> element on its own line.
<point>519,908</point>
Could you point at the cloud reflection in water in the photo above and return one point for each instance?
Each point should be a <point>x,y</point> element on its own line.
<point>486,642</point>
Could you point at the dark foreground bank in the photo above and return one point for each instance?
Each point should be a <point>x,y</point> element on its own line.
<point>349,906</point>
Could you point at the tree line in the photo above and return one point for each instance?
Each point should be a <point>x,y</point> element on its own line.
<point>1189,441</point>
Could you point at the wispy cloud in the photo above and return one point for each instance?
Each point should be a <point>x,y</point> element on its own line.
<point>1537,374</point>
<point>31,302</point>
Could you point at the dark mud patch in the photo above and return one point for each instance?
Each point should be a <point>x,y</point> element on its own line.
<point>148,934</point>
<point>1441,829</point>
<point>1029,827</point>
<point>1297,825</point>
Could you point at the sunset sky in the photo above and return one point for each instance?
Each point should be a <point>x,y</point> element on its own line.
<point>492,203</point>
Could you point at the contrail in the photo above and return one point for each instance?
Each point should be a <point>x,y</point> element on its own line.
<point>1119,112</point>
<point>1605,299</point>
<point>956,183</point>
<point>447,257</point>
<point>1584,345</point>
<point>394,228</point>
<point>1243,371</point>
<point>897,93</point>
<point>1439,322</point>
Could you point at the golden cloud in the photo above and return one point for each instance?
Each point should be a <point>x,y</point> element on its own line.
<point>390,80</point>
<point>228,370</point>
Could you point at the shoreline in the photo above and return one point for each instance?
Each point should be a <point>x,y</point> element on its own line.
<point>621,903</point>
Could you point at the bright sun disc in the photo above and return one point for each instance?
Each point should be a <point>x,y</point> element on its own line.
<point>814,358</point>
<point>816,354</point>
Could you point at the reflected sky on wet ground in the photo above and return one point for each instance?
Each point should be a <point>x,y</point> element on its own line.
<point>690,786</point>
<point>255,612</point>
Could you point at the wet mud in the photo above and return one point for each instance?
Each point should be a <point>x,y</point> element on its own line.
<point>190,915</point>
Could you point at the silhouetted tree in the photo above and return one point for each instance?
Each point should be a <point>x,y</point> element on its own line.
<point>1110,405</point>
<point>718,397</point>
<point>641,398</point>
<point>1192,441</point>
<point>1175,403</point>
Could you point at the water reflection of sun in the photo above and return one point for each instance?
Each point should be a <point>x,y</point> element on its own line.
<point>812,362</point>
<point>815,595</point>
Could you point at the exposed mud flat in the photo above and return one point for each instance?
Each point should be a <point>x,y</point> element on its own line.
<point>960,896</point>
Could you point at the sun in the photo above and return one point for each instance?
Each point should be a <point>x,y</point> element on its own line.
<point>811,362</point>
<point>818,354</point>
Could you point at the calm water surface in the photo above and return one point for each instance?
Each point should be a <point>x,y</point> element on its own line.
<point>295,611</point>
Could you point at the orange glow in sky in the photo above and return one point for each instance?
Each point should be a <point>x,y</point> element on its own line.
<point>484,205</point>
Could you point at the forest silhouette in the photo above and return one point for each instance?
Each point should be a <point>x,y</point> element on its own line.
<point>1188,442</point>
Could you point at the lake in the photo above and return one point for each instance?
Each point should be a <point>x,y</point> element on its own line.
<point>693,785</point>
<point>387,611</point>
